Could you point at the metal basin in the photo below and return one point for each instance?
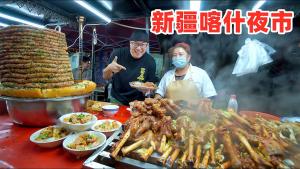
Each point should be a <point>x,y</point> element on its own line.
<point>43,112</point>
<point>3,109</point>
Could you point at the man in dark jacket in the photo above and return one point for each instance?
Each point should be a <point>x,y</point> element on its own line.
<point>127,65</point>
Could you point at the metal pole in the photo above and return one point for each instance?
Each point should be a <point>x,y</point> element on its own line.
<point>94,42</point>
<point>147,28</point>
<point>80,22</point>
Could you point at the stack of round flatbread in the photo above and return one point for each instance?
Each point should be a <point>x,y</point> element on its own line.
<point>34,59</point>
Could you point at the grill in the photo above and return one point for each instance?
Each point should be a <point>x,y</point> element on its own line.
<point>101,158</point>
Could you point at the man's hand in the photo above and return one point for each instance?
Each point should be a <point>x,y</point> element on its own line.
<point>112,68</point>
<point>115,67</point>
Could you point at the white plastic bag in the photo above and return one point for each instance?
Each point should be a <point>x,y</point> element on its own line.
<point>252,55</point>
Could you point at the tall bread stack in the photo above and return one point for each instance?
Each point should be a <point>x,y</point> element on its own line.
<point>34,58</point>
<point>34,62</point>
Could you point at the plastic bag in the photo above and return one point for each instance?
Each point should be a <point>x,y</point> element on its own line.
<point>252,55</point>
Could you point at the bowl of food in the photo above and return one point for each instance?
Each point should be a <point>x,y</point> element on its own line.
<point>96,106</point>
<point>110,110</point>
<point>107,126</point>
<point>79,121</point>
<point>84,143</point>
<point>49,137</point>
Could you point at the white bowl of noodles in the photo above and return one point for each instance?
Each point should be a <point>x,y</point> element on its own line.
<point>107,126</point>
<point>79,121</point>
<point>49,137</point>
<point>84,143</point>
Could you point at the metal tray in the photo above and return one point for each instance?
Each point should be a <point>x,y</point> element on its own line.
<point>101,158</point>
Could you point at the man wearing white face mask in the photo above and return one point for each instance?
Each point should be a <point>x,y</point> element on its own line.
<point>185,82</point>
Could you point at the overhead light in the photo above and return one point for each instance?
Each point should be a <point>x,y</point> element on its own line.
<point>258,5</point>
<point>106,4</point>
<point>25,10</point>
<point>93,10</point>
<point>195,5</point>
<point>2,15</point>
<point>3,24</point>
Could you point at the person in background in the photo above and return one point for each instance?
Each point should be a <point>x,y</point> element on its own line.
<point>84,71</point>
<point>185,82</point>
<point>128,65</point>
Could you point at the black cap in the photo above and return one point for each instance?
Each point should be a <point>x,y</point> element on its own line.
<point>139,35</point>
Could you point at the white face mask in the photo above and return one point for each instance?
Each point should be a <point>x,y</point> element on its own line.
<point>179,61</point>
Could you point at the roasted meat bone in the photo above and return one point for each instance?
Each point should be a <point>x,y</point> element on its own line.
<point>162,144</point>
<point>240,119</point>
<point>148,152</point>
<point>271,147</point>
<point>144,140</point>
<point>120,144</point>
<point>289,131</point>
<point>225,165</point>
<point>162,127</point>
<point>145,125</point>
<point>182,161</point>
<point>219,154</point>
<point>204,163</point>
<point>258,159</point>
<point>212,149</point>
<point>174,156</point>
<point>151,149</point>
<point>232,151</point>
<point>168,107</point>
<point>191,149</point>
<point>198,156</point>
<point>148,136</point>
<point>127,149</point>
<point>165,155</point>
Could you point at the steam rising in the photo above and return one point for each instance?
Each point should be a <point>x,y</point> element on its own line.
<point>275,88</point>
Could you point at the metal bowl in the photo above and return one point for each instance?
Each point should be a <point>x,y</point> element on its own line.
<point>42,112</point>
<point>3,109</point>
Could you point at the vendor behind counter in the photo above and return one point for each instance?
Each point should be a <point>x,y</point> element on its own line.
<point>84,71</point>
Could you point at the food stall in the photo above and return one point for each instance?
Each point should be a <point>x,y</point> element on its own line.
<point>49,119</point>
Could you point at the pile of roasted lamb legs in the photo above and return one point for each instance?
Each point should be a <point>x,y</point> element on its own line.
<point>217,138</point>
